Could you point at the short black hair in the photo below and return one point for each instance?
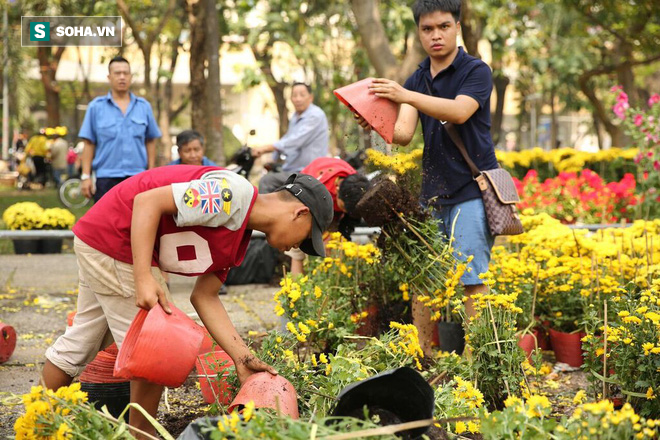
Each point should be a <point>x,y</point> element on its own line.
<point>187,136</point>
<point>307,86</point>
<point>423,7</point>
<point>351,190</point>
<point>118,59</point>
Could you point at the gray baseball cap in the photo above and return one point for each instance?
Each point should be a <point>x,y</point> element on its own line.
<point>317,198</point>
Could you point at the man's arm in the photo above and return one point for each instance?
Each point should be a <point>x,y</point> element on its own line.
<point>205,299</point>
<point>151,153</point>
<point>86,159</point>
<point>456,110</point>
<point>148,208</point>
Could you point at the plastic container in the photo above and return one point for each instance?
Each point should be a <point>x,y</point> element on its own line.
<point>213,368</point>
<point>159,348</point>
<point>567,347</point>
<point>380,113</point>
<point>528,342</point>
<point>451,337</point>
<point>115,396</point>
<point>7,342</point>
<point>268,391</point>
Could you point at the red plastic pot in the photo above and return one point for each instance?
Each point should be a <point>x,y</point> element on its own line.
<point>101,369</point>
<point>7,342</point>
<point>69,318</point>
<point>159,348</point>
<point>213,368</point>
<point>380,113</point>
<point>567,347</point>
<point>268,391</point>
<point>528,342</point>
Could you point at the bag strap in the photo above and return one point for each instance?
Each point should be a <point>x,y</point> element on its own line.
<point>455,136</point>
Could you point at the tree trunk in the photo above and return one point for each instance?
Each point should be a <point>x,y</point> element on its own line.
<point>214,141</point>
<point>614,131</point>
<point>48,63</point>
<point>196,14</point>
<point>264,58</point>
<point>471,29</point>
<point>500,82</point>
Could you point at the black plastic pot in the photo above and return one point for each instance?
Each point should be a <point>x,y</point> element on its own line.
<point>23,247</point>
<point>451,337</point>
<point>51,246</point>
<point>115,396</point>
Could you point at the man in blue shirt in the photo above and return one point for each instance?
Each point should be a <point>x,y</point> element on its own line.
<point>449,86</point>
<point>119,132</point>
<point>190,145</point>
<point>305,140</point>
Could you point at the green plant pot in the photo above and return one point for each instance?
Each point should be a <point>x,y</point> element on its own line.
<point>23,247</point>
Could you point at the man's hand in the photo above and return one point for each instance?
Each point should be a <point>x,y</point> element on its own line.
<point>363,122</point>
<point>249,364</point>
<point>87,188</point>
<point>392,90</point>
<point>148,293</point>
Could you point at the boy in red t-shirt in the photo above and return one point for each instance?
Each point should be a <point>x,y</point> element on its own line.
<point>190,220</point>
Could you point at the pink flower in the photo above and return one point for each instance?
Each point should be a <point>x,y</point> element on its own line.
<point>623,97</point>
<point>616,88</point>
<point>639,119</point>
<point>656,165</point>
<point>638,158</point>
<point>654,99</point>
<point>620,109</point>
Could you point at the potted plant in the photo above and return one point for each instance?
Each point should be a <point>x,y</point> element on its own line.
<point>55,218</point>
<point>30,216</point>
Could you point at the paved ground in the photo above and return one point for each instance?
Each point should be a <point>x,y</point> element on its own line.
<point>37,292</point>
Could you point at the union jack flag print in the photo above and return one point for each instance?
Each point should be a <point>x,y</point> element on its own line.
<point>209,195</point>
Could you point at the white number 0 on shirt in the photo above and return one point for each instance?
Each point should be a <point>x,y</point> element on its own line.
<point>169,256</point>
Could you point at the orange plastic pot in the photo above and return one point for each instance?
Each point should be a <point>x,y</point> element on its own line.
<point>567,347</point>
<point>69,318</point>
<point>101,369</point>
<point>213,368</point>
<point>380,113</point>
<point>268,391</point>
<point>159,348</point>
<point>7,342</point>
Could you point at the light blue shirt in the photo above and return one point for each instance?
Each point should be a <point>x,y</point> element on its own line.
<point>305,140</point>
<point>120,139</point>
<point>206,162</point>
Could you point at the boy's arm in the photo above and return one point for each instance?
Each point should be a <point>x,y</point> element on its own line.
<point>205,299</point>
<point>456,110</point>
<point>148,208</point>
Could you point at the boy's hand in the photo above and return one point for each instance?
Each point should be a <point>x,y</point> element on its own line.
<point>392,90</point>
<point>148,293</point>
<point>363,122</point>
<point>249,364</point>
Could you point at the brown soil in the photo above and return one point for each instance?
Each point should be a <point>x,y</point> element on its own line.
<point>380,205</point>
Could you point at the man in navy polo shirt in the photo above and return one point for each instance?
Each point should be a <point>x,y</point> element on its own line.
<point>449,86</point>
<point>119,132</point>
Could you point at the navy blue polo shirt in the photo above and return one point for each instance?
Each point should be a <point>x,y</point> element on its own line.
<point>446,177</point>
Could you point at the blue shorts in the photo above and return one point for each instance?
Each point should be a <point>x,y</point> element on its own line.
<point>471,234</point>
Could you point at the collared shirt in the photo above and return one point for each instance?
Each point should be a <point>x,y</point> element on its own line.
<point>446,176</point>
<point>206,162</point>
<point>305,140</point>
<point>119,138</point>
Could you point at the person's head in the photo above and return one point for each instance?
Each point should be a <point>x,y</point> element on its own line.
<point>438,25</point>
<point>307,211</point>
<point>119,74</point>
<point>191,147</point>
<point>301,96</point>
<point>351,190</point>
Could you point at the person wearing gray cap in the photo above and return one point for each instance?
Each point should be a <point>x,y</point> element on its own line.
<point>190,220</point>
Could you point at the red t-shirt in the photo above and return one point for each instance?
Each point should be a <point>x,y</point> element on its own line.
<point>327,170</point>
<point>207,235</point>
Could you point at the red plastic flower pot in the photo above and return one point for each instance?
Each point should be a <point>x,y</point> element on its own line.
<point>528,342</point>
<point>69,318</point>
<point>7,342</point>
<point>159,348</point>
<point>380,113</point>
<point>101,369</point>
<point>268,391</point>
<point>213,368</point>
<point>368,326</point>
<point>567,347</point>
